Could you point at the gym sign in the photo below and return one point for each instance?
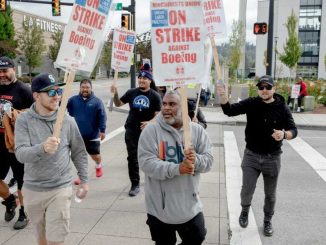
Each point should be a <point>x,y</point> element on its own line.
<point>45,25</point>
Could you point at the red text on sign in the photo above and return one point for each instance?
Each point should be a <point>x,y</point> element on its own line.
<point>89,18</point>
<point>215,4</point>
<point>179,58</point>
<point>186,34</point>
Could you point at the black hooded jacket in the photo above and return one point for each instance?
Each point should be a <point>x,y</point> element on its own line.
<point>262,119</point>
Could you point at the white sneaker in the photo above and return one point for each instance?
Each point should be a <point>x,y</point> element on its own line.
<point>299,109</point>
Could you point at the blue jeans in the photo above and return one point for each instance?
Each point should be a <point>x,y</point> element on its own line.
<point>252,165</point>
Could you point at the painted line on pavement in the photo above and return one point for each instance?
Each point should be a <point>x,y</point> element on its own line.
<point>113,134</point>
<point>316,160</point>
<point>243,236</point>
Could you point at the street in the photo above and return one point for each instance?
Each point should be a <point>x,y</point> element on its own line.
<point>109,216</point>
<point>301,197</point>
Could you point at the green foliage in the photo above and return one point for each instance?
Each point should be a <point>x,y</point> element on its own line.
<point>292,48</point>
<point>8,44</point>
<point>107,54</point>
<point>55,47</point>
<point>31,42</point>
<point>236,41</point>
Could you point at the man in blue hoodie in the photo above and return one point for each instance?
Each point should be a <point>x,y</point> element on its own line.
<point>90,115</point>
<point>172,175</point>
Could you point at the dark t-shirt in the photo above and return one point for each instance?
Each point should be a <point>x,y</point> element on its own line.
<point>19,96</point>
<point>143,106</point>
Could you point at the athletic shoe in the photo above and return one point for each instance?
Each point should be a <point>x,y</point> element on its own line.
<point>134,190</point>
<point>22,221</point>
<point>12,182</point>
<point>99,172</point>
<point>11,205</point>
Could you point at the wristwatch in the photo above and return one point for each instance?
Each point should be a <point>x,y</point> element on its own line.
<point>284,134</point>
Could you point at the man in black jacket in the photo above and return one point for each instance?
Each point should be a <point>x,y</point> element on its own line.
<point>269,122</point>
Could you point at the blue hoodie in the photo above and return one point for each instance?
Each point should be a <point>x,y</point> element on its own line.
<point>89,114</point>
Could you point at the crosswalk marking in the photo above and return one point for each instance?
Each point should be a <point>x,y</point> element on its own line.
<point>316,160</point>
<point>233,173</point>
<point>113,134</point>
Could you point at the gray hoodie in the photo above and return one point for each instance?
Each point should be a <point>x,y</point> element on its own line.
<point>43,171</point>
<point>169,196</point>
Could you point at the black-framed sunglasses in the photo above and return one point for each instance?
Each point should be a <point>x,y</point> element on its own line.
<point>267,87</point>
<point>53,92</point>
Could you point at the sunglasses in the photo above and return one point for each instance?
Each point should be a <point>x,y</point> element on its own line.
<point>53,92</point>
<point>267,87</point>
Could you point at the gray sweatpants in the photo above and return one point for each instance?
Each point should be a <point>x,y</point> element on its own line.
<point>252,165</point>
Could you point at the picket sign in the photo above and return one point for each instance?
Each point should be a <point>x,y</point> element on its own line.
<point>215,23</point>
<point>185,118</point>
<point>69,79</point>
<point>81,46</point>
<point>112,94</point>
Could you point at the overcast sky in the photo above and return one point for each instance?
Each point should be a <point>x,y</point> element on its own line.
<point>231,9</point>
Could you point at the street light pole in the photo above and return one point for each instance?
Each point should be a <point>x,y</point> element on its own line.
<point>270,38</point>
<point>275,52</point>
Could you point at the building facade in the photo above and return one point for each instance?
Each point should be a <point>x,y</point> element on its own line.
<point>311,16</point>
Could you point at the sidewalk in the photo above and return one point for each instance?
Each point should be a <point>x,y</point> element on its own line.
<point>110,216</point>
<point>303,120</point>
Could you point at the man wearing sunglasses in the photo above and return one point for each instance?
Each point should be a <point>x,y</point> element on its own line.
<point>48,162</point>
<point>269,122</point>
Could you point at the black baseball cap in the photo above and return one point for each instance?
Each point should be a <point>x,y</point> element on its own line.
<point>44,82</point>
<point>265,79</point>
<point>6,63</point>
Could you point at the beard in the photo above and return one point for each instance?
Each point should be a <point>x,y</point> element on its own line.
<point>177,119</point>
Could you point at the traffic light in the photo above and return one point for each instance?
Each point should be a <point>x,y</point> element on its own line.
<point>125,21</point>
<point>260,28</point>
<point>3,5</point>
<point>56,8</point>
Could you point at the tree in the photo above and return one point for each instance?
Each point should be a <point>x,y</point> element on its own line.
<point>106,56</point>
<point>292,47</point>
<point>8,44</point>
<point>236,42</point>
<point>55,47</point>
<point>31,42</point>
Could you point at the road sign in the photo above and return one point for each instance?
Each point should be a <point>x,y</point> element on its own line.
<point>260,28</point>
<point>118,6</point>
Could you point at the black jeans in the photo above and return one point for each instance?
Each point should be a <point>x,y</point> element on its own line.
<point>192,232</point>
<point>252,165</point>
<point>131,139</point>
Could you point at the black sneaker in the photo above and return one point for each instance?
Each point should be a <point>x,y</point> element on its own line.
<point>11,205</point>
<point>12,182</point>
<point>243,219</point>
<point>268,228</point>
<point>134,190</point>
<point>22,221</point>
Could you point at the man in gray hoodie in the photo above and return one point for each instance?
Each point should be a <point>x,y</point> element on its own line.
<point>47,159</point>
<point>172,175</point>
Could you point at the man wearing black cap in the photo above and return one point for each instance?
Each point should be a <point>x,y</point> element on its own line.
<point>48,162</point>
<point>269,122</point>
<point>14,94</point>
<point>144,103</point>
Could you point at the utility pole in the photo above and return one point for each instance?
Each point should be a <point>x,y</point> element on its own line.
<point>132,9</point>
<point>270,38</point>
<point>275,38</point>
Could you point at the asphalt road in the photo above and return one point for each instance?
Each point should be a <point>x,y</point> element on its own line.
<point>300,214</point>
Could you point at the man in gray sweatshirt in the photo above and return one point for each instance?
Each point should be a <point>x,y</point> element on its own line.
<point>47,160</point>
<point>172,175</point>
